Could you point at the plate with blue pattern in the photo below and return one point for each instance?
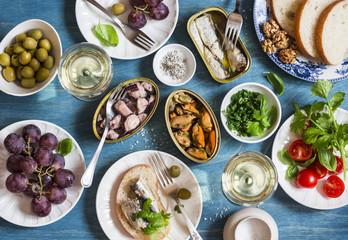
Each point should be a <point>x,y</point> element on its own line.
<point>306,68</point>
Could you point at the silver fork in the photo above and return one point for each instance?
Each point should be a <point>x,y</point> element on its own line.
<point>87,177</point>
<point>136,36</point>
<point>233,27</point>
<point>171,189</point>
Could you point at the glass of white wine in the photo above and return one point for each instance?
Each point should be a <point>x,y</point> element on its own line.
<point>85,71</point>
<point>249,178</point>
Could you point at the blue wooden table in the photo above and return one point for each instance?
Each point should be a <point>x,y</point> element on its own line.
<point>55,105</point>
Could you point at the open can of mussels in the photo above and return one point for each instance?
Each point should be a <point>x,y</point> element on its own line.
<point>207,29</point>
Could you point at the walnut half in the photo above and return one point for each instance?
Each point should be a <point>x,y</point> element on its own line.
<point>268,46</point>
<point>280,39</point>
<point>269,28</point>
<point>287,56</point>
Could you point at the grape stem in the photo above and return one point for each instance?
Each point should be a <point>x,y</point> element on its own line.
<point>142,9</point>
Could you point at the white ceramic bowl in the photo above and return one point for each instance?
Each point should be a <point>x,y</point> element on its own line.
<point>15,88</point>
<point>271,100</point>
<point>190,64</point>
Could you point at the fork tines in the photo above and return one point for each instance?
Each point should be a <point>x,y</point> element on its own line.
<point>118,92</point>
<point>144,41</point>
<point>161,170</point>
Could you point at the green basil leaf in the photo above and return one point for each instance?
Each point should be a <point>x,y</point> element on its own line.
<point>321,88</point>
<point>265,123</point>
<point>336,100</point>
<point>263,103</point>
<point>149,231</point>
<point>254,128</point>
<point>327,159</point>
<point>271,114</point>
<point>284,157</point>
<point>106,34</point>
<point>65,146</point>
<point>147,204</point>
<point>276,82</point>
<point>292,172</point>
<point>306,163</point>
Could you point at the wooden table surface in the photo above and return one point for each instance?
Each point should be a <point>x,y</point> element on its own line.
<point>55,105</point>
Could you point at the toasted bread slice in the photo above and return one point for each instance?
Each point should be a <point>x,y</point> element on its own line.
<point>306,18</point>
<point>124,193</point>
<point>332,33</point>
<point>284,12</point>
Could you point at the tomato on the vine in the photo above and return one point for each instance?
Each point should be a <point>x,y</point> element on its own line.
<point>307,178</point>
<point>339,168</point>
<point>319,169</point>
<point>300,151</point>
<point>333,187</point>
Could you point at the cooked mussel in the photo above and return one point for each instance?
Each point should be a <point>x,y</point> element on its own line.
<point>198,136</point>
<point>182,122</point>
<point>183,98</point>
<point>183,138</point>
<point>198,153</point>
<point>204,120</point>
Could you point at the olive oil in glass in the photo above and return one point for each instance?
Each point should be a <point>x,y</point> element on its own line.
<point>249,179</point>
<point>85,71</point>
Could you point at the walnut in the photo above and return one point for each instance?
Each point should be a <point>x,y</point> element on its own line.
<point>294,47</point>
<point>280,40</point>
<point>268,46</point>
<point>269,28</point>
<point>287,56</point>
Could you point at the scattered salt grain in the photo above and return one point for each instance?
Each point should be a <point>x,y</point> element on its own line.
<point>173,65</point>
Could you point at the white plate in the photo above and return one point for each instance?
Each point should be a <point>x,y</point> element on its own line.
<point>306,68</point>
<point>272,100</point>
<point>231,224</point>
<point>16,207</point>
<point>106,196</point>
<point>88,16</point>
<point>313,198</point>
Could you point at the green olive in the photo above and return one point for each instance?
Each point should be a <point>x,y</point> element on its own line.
<point>15,60</point>
<point>28,82</point>
<point>174,171</point>
<point>34,64</point>
<point>183,193</point>
<point>20,37</point>
<point>27,72</point>
<point>18,48</point>
<point>41,54</point>
<point>5,59</point>
<point>32,52</point>
<point>46,44</point>
<point>49,62</point>
<point>118,9</point>
<point>35,33</point>
<point>29,43</point>
<point>9,74</point>
<point>19,72</point>
<point>42,74</point>
<point>24,58</point>
<point>9,50</point>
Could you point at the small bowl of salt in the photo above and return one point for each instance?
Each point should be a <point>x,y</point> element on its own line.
<point>174,65</point>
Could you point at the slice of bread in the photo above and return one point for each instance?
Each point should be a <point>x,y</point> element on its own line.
<point>332,33</point>
<point>306,18</point>
<point>284,12</point>
<point>124,193</point>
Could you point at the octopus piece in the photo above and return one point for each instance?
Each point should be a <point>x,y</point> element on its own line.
<point>102,123</point>
<point>137,91</point>
<point>142,104</point>
<point>142,117</point>
<point>115,122</point>
<point>152,99</point>
<point>131,122</point>
<point>198,153</point>
<point>210,142</point>
<point>181,122</point>
<point>204,120</point>
<point>147,86</point>
<point>100,117</point>
<point>183,138</point>
<point>198,136</point>
<point>112,134</point>
<point>122,108</point>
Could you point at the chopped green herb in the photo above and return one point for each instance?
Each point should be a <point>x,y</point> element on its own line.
<point>276,82</point>
<point>248,114</point>
<point>65,146</point>
<point>177,209</point>
<point>106,34</point>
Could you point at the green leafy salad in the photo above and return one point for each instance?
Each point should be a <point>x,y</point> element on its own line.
<point>248,114</point>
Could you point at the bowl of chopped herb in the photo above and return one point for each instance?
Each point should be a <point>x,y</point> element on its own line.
<point>250,112</point>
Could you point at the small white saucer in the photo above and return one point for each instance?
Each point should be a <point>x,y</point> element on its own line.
<point>250,224</point>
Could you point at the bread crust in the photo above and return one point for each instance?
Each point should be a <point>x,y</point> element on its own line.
<point>319,31</point>
<point>297,25</point>
<point>129,178</point>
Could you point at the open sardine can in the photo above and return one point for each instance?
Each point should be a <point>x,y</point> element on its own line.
<point>192,125</point>
<point>153,93</point>
<point>206,29</point>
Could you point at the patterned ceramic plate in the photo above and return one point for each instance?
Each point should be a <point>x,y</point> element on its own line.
<point>305,68</point>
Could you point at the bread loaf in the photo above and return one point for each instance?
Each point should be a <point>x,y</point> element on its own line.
<point>283,12</point>
<point>332,33</point>
<point>306,18</point>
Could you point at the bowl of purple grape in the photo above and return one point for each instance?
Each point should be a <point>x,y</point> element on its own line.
<point>40,170</point>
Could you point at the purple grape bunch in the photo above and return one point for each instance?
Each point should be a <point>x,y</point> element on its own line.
<point>37,170</point>
<point>155,9</point>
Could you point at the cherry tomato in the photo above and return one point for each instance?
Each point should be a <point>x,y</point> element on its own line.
<point>333,187</point>
<point>339,168</point>
<point>319,169</point>
<point>307,178</point>
<point>300,151</point>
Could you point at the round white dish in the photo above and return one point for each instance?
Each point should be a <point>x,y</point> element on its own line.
<point>240,219</point>
<point>88,16</point>
<point>185,53</point>
<point>106,196</point>
<point>271,100</point>
<point>313,198</point>
<point>251,228</point>
<point>15,88</point>
<point>306,68</point>
<point>16,207</point>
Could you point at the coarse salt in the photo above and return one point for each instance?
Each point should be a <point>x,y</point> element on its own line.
<point>173,65</point>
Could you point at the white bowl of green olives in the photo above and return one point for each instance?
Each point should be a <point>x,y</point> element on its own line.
<point>29,58</point>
